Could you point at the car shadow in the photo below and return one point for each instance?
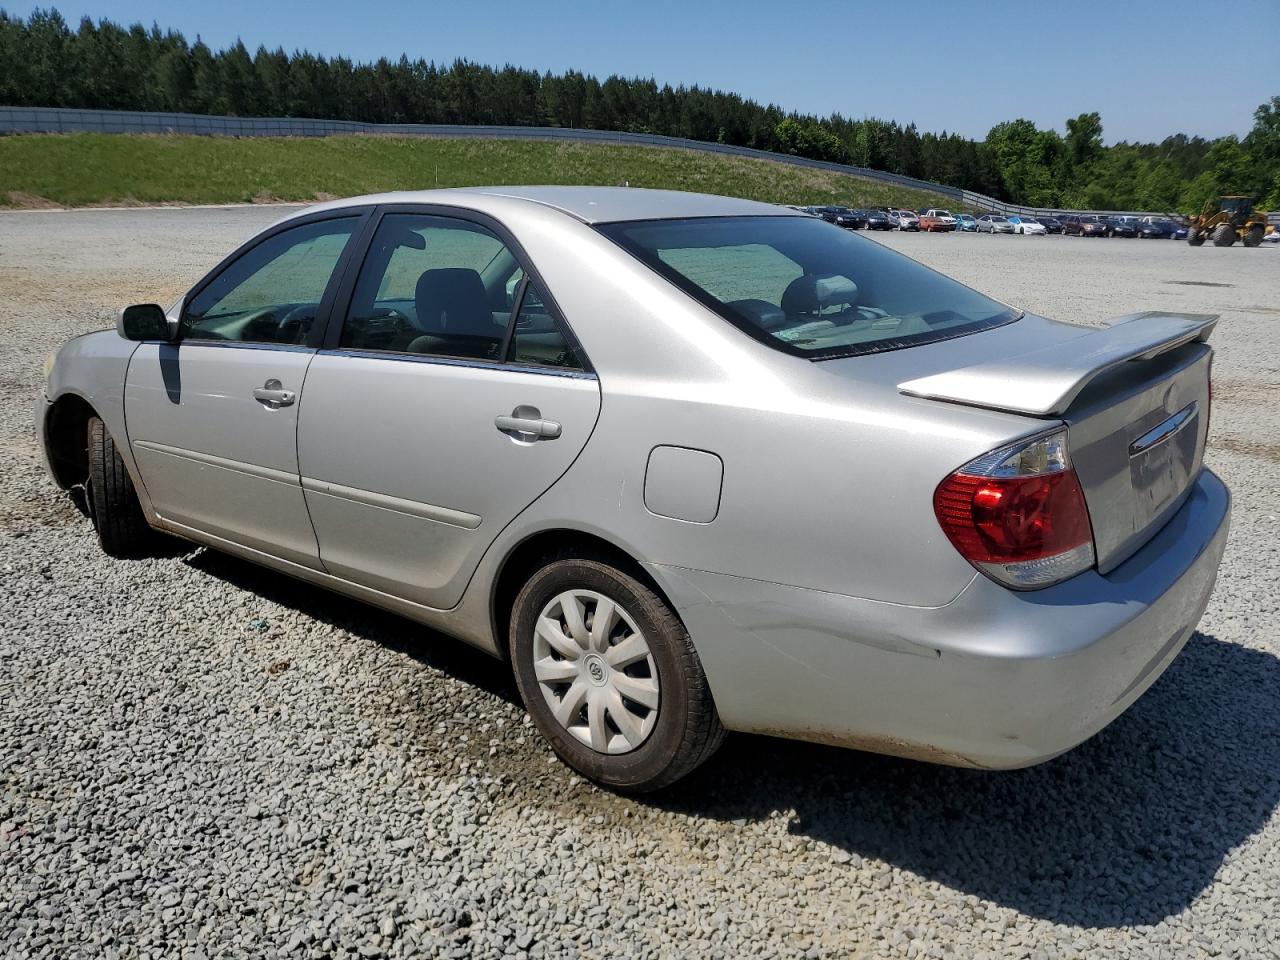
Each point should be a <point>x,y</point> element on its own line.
<point>423,644</point>
<point>1127,829</point>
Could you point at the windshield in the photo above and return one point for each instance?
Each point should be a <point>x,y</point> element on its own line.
<point>805,287</point>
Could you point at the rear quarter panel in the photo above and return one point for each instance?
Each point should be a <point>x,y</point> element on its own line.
<point>829,473</point>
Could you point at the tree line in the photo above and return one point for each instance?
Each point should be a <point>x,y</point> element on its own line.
<point>102,65</point>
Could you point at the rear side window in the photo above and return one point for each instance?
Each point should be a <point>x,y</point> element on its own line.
<point>537,339</point>
<point>433,285</point>
<point>806,287</point>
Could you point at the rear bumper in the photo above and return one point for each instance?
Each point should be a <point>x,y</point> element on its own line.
<point>995,678</point>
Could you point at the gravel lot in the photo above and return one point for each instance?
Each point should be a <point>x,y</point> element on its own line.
<point>199,758</point>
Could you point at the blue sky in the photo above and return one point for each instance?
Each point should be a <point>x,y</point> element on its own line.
<point>943,65</point>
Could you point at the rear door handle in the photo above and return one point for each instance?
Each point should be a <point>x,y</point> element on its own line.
<point>272,394</point>
<point>526,423</point>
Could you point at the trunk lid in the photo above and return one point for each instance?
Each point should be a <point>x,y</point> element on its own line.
<point>1135,397</point>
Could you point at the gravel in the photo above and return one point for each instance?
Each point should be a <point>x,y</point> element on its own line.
<point>199,758</point>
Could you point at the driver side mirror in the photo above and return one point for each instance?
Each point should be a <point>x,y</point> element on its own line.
<point>143,321</point>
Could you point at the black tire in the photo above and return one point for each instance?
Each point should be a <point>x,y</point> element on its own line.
<point>687,730</point>
<point>1254,237</point>
<point>1195,237</point>
<point>1224,235</point>
<point>113,503</point>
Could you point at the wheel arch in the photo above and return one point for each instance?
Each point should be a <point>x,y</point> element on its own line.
<point>556,543</point>
<point>66,439</point>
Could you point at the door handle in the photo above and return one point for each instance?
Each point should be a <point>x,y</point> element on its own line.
<point>526,423</point>
<point>271,394</point>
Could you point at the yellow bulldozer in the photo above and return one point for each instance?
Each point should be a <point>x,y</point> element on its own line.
<point>1234,219</point>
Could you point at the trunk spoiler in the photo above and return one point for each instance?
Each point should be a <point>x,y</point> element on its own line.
<point>1044,382</point>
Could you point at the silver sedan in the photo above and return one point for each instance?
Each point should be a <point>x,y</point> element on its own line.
<point>994,223</point>
<point>687,464</point>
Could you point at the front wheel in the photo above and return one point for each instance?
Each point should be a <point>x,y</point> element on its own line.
<point>1254,237</point>
<point>609,675</point>
<point>113,503</point>
<point>1224,235</point>
<point>1195,237</point>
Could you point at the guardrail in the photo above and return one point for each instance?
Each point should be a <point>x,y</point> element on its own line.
<point>68,120</point>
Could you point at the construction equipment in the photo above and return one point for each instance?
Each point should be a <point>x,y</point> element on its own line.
<point>1234,219</point>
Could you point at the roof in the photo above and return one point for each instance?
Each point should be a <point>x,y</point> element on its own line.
<point>589,204</point>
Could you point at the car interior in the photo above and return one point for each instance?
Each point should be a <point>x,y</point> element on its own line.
<point>428,285</point>
<point>805,285</point>
<point>459,304</point>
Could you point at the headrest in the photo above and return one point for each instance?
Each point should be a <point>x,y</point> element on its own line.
<point>812,293</point>
<point>452,300</point>
<point>760,312</point>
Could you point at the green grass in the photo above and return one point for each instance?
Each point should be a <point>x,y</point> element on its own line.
<point>85,169</point>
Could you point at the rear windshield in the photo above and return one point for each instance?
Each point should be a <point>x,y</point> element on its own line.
<point>806,287</point>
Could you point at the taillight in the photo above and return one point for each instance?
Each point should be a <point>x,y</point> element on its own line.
<point>1018,513</point>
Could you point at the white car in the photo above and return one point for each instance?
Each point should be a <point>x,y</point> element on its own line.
<point>1027,225</point>
<point>946,216</point>
<point>994,223</point>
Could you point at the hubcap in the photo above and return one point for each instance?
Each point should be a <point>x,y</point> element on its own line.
<point>595,671</point>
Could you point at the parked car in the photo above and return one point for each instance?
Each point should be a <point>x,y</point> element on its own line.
<point>994,223</point>
<point>1083,225</point>
<point>966,223</point>
<point>937,221</point>
<point>1161,228</point>
<point>847,218</point>
<point>908,220</point>
<point>1050,224</point>
<point>415,399</point>
<point>876,220</point>
<point>1121,226</point>
<point>1026,225</point>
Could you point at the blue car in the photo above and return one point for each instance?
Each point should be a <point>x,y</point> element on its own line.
<point>1161,228</point>
<point>966,223</point>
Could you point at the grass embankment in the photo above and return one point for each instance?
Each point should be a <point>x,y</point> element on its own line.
<point>86,169</point>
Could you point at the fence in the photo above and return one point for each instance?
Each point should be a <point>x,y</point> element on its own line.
<point>65,120</point>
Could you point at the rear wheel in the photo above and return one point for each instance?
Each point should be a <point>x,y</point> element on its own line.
<point>1254,237</point>
<point>1224,235</point>
<point>609,675</point>
<point>113,503</point>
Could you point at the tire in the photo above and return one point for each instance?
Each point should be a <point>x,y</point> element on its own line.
<point>1254,237</point>
<point>117,516</point>
<point>1195,237</point>
<point>673,738</point>
<point>1224,235</point>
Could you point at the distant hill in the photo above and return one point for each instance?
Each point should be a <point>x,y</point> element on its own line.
<point>106,169</point>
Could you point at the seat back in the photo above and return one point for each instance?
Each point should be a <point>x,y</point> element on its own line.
<point>452,301</point>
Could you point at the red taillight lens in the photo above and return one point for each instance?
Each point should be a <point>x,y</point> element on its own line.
<point>1018,514</point>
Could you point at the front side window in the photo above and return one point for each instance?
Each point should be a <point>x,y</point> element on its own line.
<point>272,293</point>
<point>433,285</point>
<point>807,288</point>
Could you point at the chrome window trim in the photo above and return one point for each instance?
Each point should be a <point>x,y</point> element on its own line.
<point>235,345</point>
<point>461,362</point>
